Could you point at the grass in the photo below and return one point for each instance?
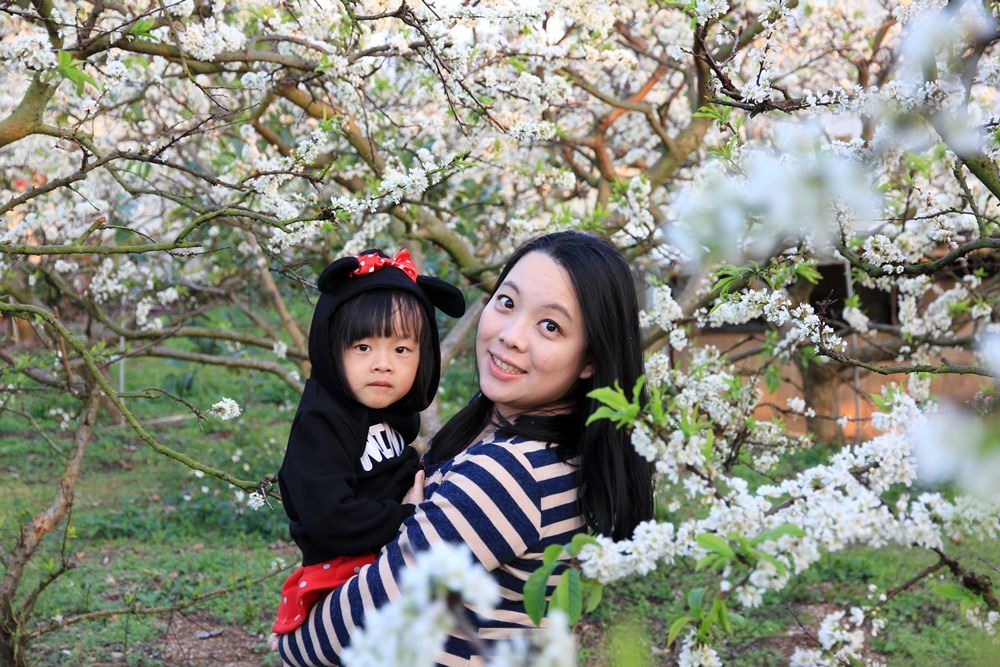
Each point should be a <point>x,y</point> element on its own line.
<point>146,532</point>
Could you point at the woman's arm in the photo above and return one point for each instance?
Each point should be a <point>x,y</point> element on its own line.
<point>488,500</point>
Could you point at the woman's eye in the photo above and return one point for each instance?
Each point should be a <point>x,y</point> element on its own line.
<point>550,326</point>
<point>505,301</point>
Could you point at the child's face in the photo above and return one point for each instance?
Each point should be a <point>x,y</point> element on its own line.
<point>380,369</point>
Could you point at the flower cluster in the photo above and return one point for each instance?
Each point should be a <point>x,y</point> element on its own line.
<point>412,629</point>
<point>226,409</point>
<point>695,654</point>
<point>836,505</point>
<point>205,40</point>
<point>791,193</point>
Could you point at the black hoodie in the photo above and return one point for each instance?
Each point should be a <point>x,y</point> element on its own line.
<point>346,466</point>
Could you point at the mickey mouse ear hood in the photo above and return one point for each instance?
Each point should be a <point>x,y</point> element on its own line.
<point>347,277</point>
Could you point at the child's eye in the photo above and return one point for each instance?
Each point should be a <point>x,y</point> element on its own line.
<point>402,349</point>
<point>550,326</point>
<point>362,347</point>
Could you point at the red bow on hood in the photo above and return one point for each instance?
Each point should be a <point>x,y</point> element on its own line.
<point>372,262</point>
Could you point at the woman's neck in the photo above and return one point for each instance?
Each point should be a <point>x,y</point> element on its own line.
<point>551,410</point>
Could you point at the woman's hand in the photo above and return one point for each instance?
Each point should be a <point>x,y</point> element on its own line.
<point>415,495</point>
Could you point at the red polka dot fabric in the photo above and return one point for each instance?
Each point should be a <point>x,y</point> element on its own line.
<point>309,583</point>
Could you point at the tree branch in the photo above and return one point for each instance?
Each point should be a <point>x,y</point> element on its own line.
<point>26,117</point>
<point>946,367</point>
<point>924,268</point>
<point>291,326</point>
<point>228,362</point>
<point>31,535</point>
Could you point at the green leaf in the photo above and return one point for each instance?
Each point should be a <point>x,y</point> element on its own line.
<point>656,406</point>
<point>949,590</point>
<point>676,627</point>
<point>728,277</point>
<point>716,544</point>
<point>772,377</point>
<point>706,112</point>
<point>534,593</point>
<point>708,561</point>
<point>724,616</point>
<point>958,307</point>
<point>638,387</point>
<point>808,271</point>
<point>551,554</point>
<point>141,27</point>
<point>601,413</point>
<point>882,401</point>
<point>579,541</point>
<point>617,408</point>
<point>595,592</point>
<point>742,543</point>
<point>613,398</point>
<point>518,63</point>
<point>694,597</point>
<point>714,617</point>
<point>719,114</point>
<point>775,533</point>
<point>69,67</point>
<point>709,446</point>
<point>568,595</point>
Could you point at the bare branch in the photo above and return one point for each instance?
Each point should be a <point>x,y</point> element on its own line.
<point>43,523</point>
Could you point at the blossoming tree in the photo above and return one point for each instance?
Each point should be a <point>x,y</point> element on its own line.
<point>162,160</point>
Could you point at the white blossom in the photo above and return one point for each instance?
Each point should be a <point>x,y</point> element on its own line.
<point>856,318</point>
<point>695,654</point>
<point>255,80</point>
<point>255,500</point>
<point>226,409</point>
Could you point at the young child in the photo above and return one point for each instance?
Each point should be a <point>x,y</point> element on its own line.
<point>376,363</point>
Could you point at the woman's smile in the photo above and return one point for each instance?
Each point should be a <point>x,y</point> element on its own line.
<point>505,367</point>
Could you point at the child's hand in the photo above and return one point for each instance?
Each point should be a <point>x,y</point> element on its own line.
<point>272,642</point>
<point>415,495</point>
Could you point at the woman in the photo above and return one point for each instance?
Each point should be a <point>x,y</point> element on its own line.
<point>517,469</point>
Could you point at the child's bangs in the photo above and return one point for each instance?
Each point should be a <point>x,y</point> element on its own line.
<point>380,313</point>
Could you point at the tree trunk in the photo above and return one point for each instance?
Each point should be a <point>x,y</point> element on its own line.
<point>16,560</point>
<point>10,656</point>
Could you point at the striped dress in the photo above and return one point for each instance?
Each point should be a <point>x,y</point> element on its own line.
<point>507,498</point>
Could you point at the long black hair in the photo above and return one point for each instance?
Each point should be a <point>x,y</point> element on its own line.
<point>616,483</point>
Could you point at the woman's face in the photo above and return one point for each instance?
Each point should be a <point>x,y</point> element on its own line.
<point>531,346</point>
